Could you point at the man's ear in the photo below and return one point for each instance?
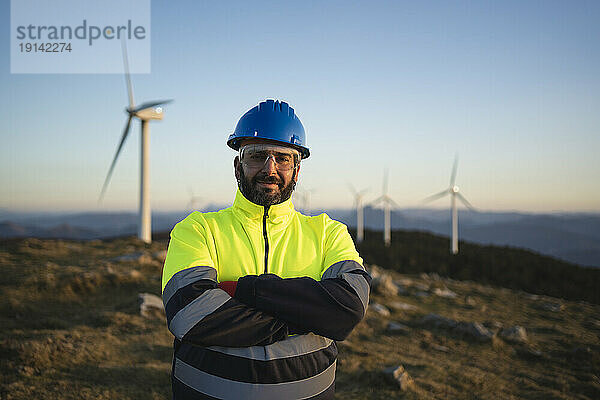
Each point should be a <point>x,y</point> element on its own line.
<point>236,167</point>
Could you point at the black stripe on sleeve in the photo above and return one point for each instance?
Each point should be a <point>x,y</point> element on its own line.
<point>236,325</point>
<point>186,295</point>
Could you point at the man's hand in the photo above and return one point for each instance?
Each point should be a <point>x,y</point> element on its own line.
<point>228,286</point>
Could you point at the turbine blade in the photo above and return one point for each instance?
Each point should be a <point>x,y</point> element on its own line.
<point>435,196</point>
<point>392,202</point>
<point>352,188</point>
<point>127,76</point>
<point>466,202</point>
<point>376,201</point>
<point>454,167</point>
<point>386,174</point>
<point>112,165</point>
<point>152,104</point>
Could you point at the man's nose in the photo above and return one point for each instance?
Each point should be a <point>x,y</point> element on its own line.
<point>269,166</point>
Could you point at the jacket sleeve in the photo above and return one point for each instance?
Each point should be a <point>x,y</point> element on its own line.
<point>330,307</point>
<point>198,311</point>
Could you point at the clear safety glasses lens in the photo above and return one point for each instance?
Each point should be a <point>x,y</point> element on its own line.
<point>257,158</point>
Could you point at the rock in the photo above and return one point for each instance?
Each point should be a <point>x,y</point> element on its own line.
<point>470,301</point>
<point>406,282</point>
<point>553,307</point>
<point>398,305</point>
<point>434,276</point>
<point>399,376</point>
<point>379,309</point>
<point>384,285</point>
<point>135,274</point>
<point>528,353</point>
<point>160,256</point>
<point>150,305</point>
<point>422,294</point>
<point>421,286</point>
<point>515,334</point>
<point>474,330</point>
<point>495,324</point>
<point>446,293</point>
<point>440,348</point>
<point>373,270</point>
<point>396,327</point>
<point>437,321</point>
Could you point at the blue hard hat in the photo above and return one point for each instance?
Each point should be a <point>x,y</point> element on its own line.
<point>272,120</point>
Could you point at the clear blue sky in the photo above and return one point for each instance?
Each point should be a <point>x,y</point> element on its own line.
<point>512,86</point>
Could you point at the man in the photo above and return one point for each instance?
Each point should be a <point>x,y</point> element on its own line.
<point>256,294</point>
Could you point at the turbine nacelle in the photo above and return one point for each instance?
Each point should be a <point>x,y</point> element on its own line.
<point>150,113</point>
<point>454,189</point>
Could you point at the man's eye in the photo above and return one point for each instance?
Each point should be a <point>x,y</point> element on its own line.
<point>283,159</point>
<point>257,156</point>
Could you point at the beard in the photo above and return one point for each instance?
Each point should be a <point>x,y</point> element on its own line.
<point>253,192</point>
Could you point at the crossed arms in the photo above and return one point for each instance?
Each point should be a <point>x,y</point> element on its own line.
<point>265,308</point>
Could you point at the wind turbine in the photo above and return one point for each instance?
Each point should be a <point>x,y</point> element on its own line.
<point>387,203</point>
<point>453,191</point>
<point>358,196</point>
<point>304,196</point>
<point>194,200</point>
<point>144,112</point>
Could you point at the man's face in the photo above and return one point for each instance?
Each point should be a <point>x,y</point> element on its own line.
<point>266,173</point>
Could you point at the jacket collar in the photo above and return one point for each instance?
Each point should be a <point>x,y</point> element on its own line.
<point>278,214</point>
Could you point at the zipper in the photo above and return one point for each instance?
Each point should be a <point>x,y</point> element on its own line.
<point>265,216</point>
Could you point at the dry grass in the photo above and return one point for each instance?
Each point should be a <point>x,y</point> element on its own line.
<point>71,329</point>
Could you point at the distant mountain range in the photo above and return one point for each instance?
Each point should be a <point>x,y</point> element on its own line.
<point>573,237</point>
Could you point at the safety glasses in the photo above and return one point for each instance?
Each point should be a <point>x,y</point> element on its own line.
<point>256,156</point>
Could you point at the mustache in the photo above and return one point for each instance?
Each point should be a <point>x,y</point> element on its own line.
<point>267,179</point>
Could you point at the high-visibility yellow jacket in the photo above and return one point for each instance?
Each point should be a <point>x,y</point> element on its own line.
<point>300,286</point>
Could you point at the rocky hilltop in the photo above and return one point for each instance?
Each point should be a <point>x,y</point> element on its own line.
<point>79,320</point>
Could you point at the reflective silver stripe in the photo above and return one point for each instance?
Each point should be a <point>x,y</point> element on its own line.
<point>337,269</point>
<point>291,347</point>
<point>341,269</point>
<point>360,286</point>
<point>227,389</point>
<point>184,278</point>
<point>191,314</point>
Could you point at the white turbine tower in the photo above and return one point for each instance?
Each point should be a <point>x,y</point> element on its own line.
<point>194,201</point>
<point>144,112</point>
<point>453,191</point>
<point>388,202</point>
<point>304,197</point>
<point>358,196</point>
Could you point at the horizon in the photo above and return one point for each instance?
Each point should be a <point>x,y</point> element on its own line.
<point>217,206</point>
